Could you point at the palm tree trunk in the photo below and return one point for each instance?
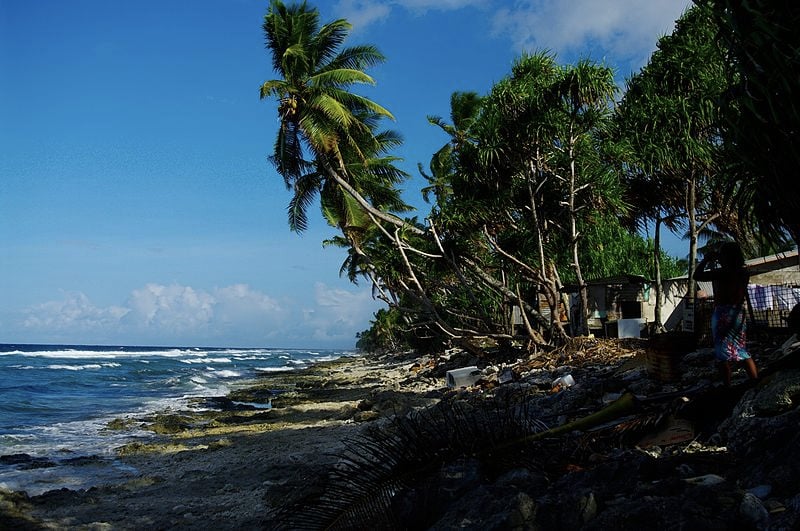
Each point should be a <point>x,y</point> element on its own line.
<point>394,220</point>
<point>659,326</point>
<point>583,318</point>
<point>691,209</point>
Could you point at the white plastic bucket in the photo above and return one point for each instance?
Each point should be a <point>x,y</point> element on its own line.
<point>463,377</point>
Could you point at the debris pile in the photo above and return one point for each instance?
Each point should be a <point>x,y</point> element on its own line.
<point>612,444</point>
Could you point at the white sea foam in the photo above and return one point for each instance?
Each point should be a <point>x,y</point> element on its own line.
<point>251,351</point>
<point>274,369</point>
<point>85,437</point>
<point>74,367</point>
<point>95,354</point>
<point>227,374</point>
<point>326,358</point>
<point>206,360</point>
<point>94,366</point>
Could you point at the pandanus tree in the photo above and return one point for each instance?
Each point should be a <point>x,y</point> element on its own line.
<point>511,161</point>
<point>584,93</point>
<point>671,116</point>
<point>529,160</point>
<point>552,119</point>
<point>460,209</point>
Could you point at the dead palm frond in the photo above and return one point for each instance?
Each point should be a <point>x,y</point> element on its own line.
<point>411,468</point>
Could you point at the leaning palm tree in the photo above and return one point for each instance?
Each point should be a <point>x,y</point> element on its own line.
<point>322,122</point>
<point>328,143</point>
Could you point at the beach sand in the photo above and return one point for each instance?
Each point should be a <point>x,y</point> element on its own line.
<point>226,469</point>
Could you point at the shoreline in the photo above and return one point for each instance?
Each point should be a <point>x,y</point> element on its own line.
<point>685,453</point>
<point>224,466</point>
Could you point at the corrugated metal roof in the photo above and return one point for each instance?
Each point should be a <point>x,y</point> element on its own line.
<point>773,262</point>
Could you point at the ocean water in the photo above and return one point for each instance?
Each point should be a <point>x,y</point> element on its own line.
<point>56,400</point>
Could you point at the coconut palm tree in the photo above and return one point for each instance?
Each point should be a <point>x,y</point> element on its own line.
<point>464,111</point>
<point>324,126</point>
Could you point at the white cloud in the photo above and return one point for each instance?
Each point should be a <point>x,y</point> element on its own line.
<point>235,315</point>
<point>73,312</point>
<point>621,32</point>
<point>362,13</point>
<point>441,5</point>
<point>174,307</point>
<point>242,310</point>
<point>625,29</point>
<point>338,314</point>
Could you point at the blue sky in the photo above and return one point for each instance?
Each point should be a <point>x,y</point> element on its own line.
<point>137,205</point>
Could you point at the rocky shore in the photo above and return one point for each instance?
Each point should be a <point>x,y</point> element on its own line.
<point>586,437</point>
<point>223,466</point>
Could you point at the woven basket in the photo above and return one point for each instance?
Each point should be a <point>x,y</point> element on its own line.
<point>664,353</point>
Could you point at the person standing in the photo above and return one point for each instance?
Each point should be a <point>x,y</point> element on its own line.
<point>728,321</point>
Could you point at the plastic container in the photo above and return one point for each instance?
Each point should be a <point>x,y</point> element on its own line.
<point>565,381</point>
<point>463,377</point>
<point>629,327</point>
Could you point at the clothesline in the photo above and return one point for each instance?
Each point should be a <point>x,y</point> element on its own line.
<point>773,297</point>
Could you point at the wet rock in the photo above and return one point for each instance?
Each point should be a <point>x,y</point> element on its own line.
<point>706,480</point>
<point>26,461</point>
<point>768,443</point>
<point>83,460</point>
<point>119,424</point>
<point>366,416</point>
<point>491,510</point>
<point>167,424</point>
<point>760,491</point>
<point>13,511</point>
<point>781,395</point>
<point>753,510</point>
<point>586,508</point>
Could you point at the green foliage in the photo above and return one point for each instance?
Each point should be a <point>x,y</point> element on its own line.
<point>383,334</point>
<point>611,250</point>
<point>669,116</point>
<point>762,115</point>
<point>543,181</point>
<point>323,123</point>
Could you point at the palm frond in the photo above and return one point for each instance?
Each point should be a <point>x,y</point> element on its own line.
<point>357,57</point>
<point>327,42</point>
<point>392,477</point>
<point>306,189</point>
<point>340,77</point>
